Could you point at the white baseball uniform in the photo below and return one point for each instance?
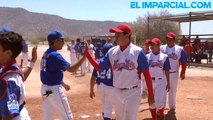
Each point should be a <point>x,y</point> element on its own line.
<point>73,58</point>
<point>176,56</point>
<point>157,66</point>
<point>91,48</point>
<point>127,86</point>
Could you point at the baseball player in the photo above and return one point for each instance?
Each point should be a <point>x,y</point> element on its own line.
<point>83,65</point>
<point>128,62</point>
<point>176,56</point>
<point>71,49</point>
<point>91,49</point>
<point>103,78</point>
<point>109,41</point>
<point>159,69</point>
<point>24,53</point>
<point>52,67</point>
<point>147,46</point>
<point>12,92</point>
<point>26,70</point>
<point>98,53</point>
<point>146,50</point>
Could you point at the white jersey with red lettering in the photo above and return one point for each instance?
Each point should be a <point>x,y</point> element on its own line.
<point>157,66</point>
<point>127,85</point>
<point>124,65</point>
<point>174,55</point>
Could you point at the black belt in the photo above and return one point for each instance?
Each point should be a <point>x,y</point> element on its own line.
<point>155,78</point>
<point>129,88</point>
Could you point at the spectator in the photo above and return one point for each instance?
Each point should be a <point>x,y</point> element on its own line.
<point>210,52</point>
<point>188,48</point>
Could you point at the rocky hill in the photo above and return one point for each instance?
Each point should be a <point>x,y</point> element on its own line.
<point>37,24</point>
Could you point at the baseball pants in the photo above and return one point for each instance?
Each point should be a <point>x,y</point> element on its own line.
<point>73,58</point>
<point>173,90</point>
<point>126,103</point>
<point>55,102</point>
<point>105,93</point>
<point>159,88</point>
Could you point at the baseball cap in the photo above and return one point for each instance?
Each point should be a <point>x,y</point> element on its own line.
<point>171,35</point>
<point>106,48</point>
<point>147,41</point>
<point>53,35</point>
<point>6,30</point>
<point>121,28</point>
<point>109,38</point>
<point>155,41</point>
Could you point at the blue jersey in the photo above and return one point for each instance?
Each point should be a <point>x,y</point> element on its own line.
<point>11,92</point>
<point>104,76</point>
<point>98,53</point>
<point>52,67</point>
<point>78,48</point>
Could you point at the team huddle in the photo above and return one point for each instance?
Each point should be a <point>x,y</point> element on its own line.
<point>121,73</point>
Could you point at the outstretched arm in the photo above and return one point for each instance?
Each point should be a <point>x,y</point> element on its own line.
<point>27,70</point>
<point>75,67</point>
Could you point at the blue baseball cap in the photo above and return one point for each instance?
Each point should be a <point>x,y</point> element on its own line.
<point>106,48</point>
<point>6,30</point>
<point>53,35</point>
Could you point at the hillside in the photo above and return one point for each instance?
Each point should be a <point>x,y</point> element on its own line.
<point>38,24</point>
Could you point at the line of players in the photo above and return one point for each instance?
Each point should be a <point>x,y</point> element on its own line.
<point>164,62</point>
<point>76,48</point>
<point>123,65</point>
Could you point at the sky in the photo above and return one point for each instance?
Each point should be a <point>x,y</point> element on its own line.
<point>102,10</point>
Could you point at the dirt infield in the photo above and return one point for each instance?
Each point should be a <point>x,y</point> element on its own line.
<point>194,95</point>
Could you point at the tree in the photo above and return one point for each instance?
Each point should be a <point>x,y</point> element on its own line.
<point>157,27</point>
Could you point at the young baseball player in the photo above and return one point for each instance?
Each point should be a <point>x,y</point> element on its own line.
<point>159,69</point>
<point>52,67</point>
<point>24,53</point>
<point>12,93</point>
<point>177,57</point>
<point>26,70</point>
<point>146,50</point>
<point>91,49</point>
<point>71,49</point>
<point>104,82</point>
<point>98,53</point>
<point>83,65</point>
<point>127,61</point>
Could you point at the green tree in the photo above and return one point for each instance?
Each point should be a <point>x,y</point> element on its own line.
<point>157,27</point>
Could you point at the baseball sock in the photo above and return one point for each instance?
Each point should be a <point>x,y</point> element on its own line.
<point>153,113</point>
<point>161,111</point>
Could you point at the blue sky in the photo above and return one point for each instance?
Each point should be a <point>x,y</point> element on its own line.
<point>101,10</point>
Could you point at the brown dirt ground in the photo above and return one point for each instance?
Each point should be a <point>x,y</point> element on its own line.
<point>194,95</point>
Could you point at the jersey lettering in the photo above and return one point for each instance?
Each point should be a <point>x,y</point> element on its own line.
<point>128,65</point>
<point>104,74</point>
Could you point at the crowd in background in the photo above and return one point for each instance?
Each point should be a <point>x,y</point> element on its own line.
<point>197,50</point>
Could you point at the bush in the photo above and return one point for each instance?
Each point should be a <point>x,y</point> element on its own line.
<point>36,40</point>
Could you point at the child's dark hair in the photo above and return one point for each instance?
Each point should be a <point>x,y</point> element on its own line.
<point>11,41</point>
